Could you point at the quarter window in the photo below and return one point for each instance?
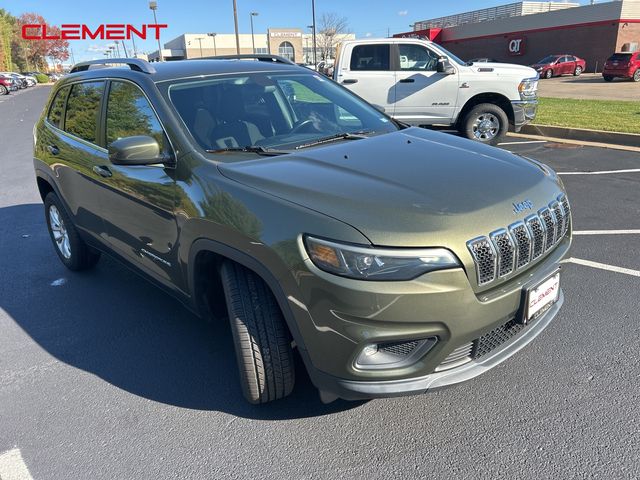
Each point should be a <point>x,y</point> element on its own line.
<point>129,113</point>
<point>417,57</point>
<point>57,107</point>
<point>373,57</point>
<point>83,107</point>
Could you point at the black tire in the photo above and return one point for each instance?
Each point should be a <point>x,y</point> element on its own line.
<point>608,78</point>
<point>636,76</point>
<point>577,71</point>
<point>548,74</point>
<point>80,255</point>
<point>3,90</point>
<point>260,336</point>
<point>485,111</point>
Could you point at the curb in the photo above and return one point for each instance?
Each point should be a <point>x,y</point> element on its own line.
<point>583,135</point>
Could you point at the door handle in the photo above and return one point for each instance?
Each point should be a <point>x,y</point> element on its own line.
<point>350,80</point>
<point>102,171</point>
<point>53,150</point>
<point>407,80</point>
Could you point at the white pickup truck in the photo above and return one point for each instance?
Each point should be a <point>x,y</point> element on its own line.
<point>420,83</point>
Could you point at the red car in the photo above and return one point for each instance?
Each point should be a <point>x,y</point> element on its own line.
<point>556,65</point>
<point>6,85</point>
<point>623,65</point>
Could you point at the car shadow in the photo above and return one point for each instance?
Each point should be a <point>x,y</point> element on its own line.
<point>114,324</point>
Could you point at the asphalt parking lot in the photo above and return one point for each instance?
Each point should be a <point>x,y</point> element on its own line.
<point>104,376</point>
<point>589,86</point>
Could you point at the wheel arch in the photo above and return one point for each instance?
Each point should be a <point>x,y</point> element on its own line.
<point>488,97</point>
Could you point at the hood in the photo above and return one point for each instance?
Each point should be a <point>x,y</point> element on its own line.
<point>505,68</point>
<point>413,187</point>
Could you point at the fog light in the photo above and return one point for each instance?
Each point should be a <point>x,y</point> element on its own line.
<point>393,354</point>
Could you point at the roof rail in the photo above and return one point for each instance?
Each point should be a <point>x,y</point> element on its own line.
<point>261,57</point>
<point>136,64</point>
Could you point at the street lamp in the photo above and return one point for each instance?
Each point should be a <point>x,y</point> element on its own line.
<point>215,50</point>
<point>153,6</point>
<point>200,42</point>
<point>235,21</point>
<point>313,16</point>
<point>112,51</point>
<point>253,42</point>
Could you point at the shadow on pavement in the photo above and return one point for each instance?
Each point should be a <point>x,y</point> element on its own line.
<point>112,323</point>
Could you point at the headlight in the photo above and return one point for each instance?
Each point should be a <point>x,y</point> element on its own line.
<point>380,264</point>
<point>528,88</point>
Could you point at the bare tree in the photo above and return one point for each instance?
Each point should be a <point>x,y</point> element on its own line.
<point>332,29</point>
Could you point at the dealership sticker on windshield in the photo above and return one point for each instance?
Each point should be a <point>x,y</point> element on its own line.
<point>542,297</point>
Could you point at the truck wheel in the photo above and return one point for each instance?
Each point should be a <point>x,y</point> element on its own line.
<point>607,78</point>
<point>260,335</point>
<point>577,71</point>
<point>548,74</point>
<point>72,250</point>
<point>636,76</point>
<point>486,123</point>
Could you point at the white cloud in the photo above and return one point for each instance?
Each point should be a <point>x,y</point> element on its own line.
<point>403,13</point>
<point>368,34</point>
<point>100,48</point>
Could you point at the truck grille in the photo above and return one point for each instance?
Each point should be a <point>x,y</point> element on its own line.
<point>509,250</point>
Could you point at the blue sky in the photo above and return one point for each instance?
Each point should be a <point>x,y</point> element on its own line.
<point>365,16</point>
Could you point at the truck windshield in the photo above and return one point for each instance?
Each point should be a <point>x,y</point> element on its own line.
<point>282,111</point>
<point>451,55</point>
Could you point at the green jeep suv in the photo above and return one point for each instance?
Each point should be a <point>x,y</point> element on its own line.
<point>394,260</point>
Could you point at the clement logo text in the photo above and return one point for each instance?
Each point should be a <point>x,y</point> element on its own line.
<point>80,31</point>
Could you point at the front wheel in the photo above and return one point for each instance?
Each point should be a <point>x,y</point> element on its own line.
<point>548,74</point>
<point>577,71</point>
<point>486,123</point>
<point>72,250</point>
<point>636,76</point>
<point>260,336</point>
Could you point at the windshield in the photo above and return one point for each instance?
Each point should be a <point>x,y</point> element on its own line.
<point>451,55</point>
<point>271,110</point>
<point>549,59</point>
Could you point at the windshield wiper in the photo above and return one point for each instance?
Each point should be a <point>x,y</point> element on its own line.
<point>333,138</point>
<point>250,149</point>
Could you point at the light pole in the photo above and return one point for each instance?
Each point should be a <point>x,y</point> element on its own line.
<point>134,47</point>
<point>124,48</point>
<point>313,16</point>
<point>235,21</point>
<point>253,42</point>
<point>215,50</point>
<point>153,5</point>
<point>112,51</point>
<point>200,42</point>
<point>117,49</point>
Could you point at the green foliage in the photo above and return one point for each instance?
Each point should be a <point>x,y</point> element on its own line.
<point>42,78</point>
<point>82,110</point>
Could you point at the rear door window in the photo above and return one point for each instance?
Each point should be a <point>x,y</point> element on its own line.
<point>57,107</point>
<point>373,57</point>
<point>83,109</point>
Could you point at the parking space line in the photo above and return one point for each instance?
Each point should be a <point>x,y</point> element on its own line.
<point>602,266</point>
<point>522,143</point>
<point>602,172</point>
<point>12,466</point>
<point>606,232</point>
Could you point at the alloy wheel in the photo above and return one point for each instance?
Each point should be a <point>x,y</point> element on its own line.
<point>485,127</point>
<point>59,232</point>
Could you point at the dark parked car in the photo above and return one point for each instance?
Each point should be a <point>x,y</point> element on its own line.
<point>622,65</point>
<point>393,259</point>
<point>556,65</point>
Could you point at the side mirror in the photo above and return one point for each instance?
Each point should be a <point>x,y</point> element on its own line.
<point>136,150</point>
<point>443,66</point>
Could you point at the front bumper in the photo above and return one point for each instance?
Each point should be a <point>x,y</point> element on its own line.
<point>524,111</point>
<point>359,390</point>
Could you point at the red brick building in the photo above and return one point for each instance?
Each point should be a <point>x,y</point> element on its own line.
<point>520,33</point>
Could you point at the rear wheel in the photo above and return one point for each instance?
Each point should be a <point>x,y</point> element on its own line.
<point>260,335</point>
<point>3,90</point>
<point>607,78</point>
<point>577,71</point>
<point>486,123</point>
<point>548,74</point>
<point>72,250</point>
<point>636,76</point>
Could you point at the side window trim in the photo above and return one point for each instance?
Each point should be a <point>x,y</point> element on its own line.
<point>103,114</point>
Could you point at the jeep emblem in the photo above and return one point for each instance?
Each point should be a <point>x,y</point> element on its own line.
<point>522,206</point>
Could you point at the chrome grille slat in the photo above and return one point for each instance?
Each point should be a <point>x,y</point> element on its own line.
<point>506,251</point>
